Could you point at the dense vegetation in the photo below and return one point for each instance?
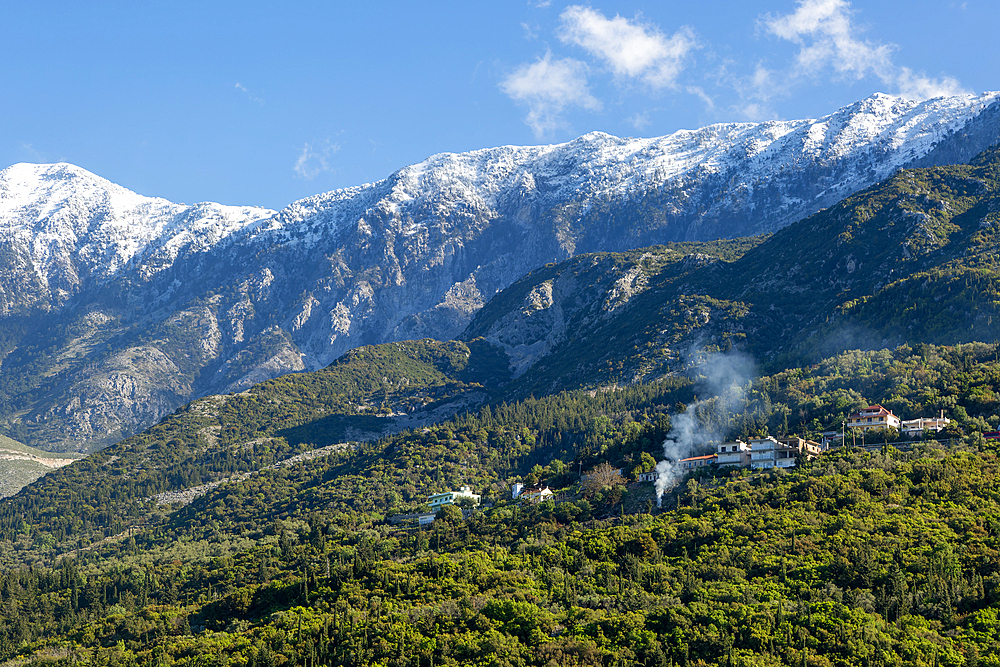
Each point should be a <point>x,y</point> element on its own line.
<point>222,438</point>
<point>218,437</point>
<point>851,559</point>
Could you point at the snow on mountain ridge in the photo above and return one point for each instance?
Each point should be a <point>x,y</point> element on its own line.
<point>59,213</point>
<point>613,167</point>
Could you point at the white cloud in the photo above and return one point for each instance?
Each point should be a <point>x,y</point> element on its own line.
<point>315,159</point>
<point>548,87</point>
<point>828,39</point>
<point>630,49</point>
<point>700,93</point>
<point>640,120</point>
<point>920,87</point>
<point>253,98</point>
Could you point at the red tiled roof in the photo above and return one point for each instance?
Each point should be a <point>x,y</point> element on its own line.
<point>697,458</point>
<point>871,411</point>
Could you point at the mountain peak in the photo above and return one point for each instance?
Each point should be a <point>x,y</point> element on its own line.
<point>68,223</point>
<point>23,182</point>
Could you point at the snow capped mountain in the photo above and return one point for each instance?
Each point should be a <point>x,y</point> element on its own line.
<point>856,146</point>
<point>69,224</point>
<point>149,303</point>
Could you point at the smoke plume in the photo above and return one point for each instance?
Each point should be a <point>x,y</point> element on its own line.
<point>722,377</point>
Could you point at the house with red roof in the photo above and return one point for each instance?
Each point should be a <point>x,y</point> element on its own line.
<point>872,417</point>
<point>696,462</point>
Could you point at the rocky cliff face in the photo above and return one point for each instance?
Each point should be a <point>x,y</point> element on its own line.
<point>116,308</point>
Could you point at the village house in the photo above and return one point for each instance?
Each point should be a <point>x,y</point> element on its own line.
<point>873,417</point>
<point>439,500</point>
<point>646,476</point>
<point>736,453</point>
<point>807,448</point>
<point>915,427</point>
<point>762,452</point>
<point>697,462</point>
<point>531,494</point>
<point>772,452</point>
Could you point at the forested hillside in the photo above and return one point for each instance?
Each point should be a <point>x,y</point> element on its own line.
<point>228,438</point>
<point>855,558</point>
<point>851,560</point>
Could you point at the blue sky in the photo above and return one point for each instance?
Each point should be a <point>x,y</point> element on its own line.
<point>261,103</point>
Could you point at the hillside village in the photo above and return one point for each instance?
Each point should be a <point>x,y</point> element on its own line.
<point>762,453</point>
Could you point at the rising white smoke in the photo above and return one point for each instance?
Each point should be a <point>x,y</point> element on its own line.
<point>722,377</point>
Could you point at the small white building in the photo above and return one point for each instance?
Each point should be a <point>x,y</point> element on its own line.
<point>762,452</point>
<point>914,427</point>
<point>535,494</point>
<point>646,477</point>
<point>439,500</point>
<point>736,453</point>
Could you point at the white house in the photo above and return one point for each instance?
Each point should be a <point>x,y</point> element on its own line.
<point>439,500</point>
<point>912,427</point>
<point>736,453</point>
<point>646,477</point>
<point>762,452</point>
<point>535,494</point>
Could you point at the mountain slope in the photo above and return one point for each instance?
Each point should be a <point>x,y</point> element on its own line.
<point>21,465</point>
<point>911,260</point>
<point>120,308</point>
<point>369,392</point>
